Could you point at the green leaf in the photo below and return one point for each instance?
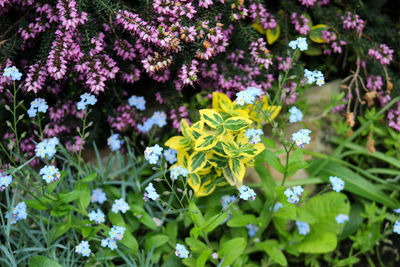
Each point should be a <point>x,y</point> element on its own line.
<point>42,261</point>
<point>267,181</point>
<point>155,241</point>
<point>84,198</point>
<point>316,33</point>
<point>273,34</point>
<point>39,204</point>
<point>195,244</point>
<point>354,183</point>
<point>195,214</point>
<point>214,221</point>
<point>59,230</point>
<point>231,250</point>
<point>202,259</point>
<point>313,50</point>
<point>271,248</point>
<point>205,142</point>
<point>241,220</point>
<point>273,160</point>
<point>258,27</point>
<point>116,218</point>
<point>70,196</point>
<point>130,241</point>
<point>236,123</point>
<point>318,242</point>
<point>89,178</point>
<point>51,187</point>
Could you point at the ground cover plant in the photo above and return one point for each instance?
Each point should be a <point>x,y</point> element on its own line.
<point>184,133</point>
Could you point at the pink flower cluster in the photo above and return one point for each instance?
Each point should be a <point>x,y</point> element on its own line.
<point>384,54</point>
<point>309,3</point>
<point>260,15</point>
<point>176,115</point>
<point>394,117</point>
<point>124,118</point>
<point>353,21</point>
<point>187,75</point>
<point>300,23</point>
<point>260,54</point>
<point>336,45</point>
<point>41,23</point>
<point>289,94</point>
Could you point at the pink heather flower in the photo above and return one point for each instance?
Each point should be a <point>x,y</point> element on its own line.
<point>124,118</point>
<point>260,15</point>
<point>393,117</point>
<point>353,21</point>
<point>308,3</point>
<point>374,82</point>
<point>188,73</point>
<point>289,93</point>
<point>176,115</point>
<point>124,49</point>
<point>205,3</point>
<point>260,54</point>
<point>384,54</point>
<point>283,65</point>
<point>300,23</point>
<point>160,99</point>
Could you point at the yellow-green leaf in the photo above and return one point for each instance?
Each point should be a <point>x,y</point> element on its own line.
<point>316,33</point>
<point>229,175</point>
<point>273,111</point>
<point>212,118</point>
<point>197,161</point>
<point>250,150</point>
<point>185,129</point>
<point>238,169</point>
<point>221,102</point>
<point>205,142</point>
<point>273,34</point>
<point>194,181</point>
<point>258,27</point>
<point>178,143</point>
<point>205,189</point>
<point>217,161</point>
<point>236,123</point>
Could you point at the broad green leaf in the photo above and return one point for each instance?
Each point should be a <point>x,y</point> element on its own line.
<point>116,218</point>
<point>313,50</point>
<point>241,220</point>
<point>59,230</point>
<point>61,210</point>
<point>354,183</point>
<point>197,161</point>
<point>130,241</point>
<point>318,242</point>
<point>185,129</point>
<point>155,241</point>
<point>40,204</point>
<point>217,161</point>
<point>202,259</point>
<point>272,250</point>
<point>212,118</point>
<point>267,181</point>
<point>205,142</point>
<point>51,187</point>
<point>273,160</point>
<point>42,261</point>
<point>89,178</point>
<point>236,123</point>
<point>214,221</point>
<point>316,33</point>
<point>84,198</point>
<point>229,175</point>
<point>195,244</point>
<point>231,250</point>
<point>70,196</point>
<point>250,150</point>
<point>143,216</point>
<point>273,34</point>
<point>195,214</point>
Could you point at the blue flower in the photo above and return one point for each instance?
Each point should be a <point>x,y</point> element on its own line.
<point>83,248</point>
<point>86,99</point>
<point>396,227</point>
<point>98,217</point>
<point>46,149</point>
<point>303,227</point>
<point>159,118</point>
<point>337,183</point>
<point>50,173</point>
<point>252,229</point>
<point>151,192</point>
<point>300,43</point>
<point>397,211</point>
<point>254,135</point>
<point>341,218</point>
<point>170,155</point>
<point>114,143</point>
<point>181,251</point>
<point>247,193</point>
<point>5,180</point>
<point>293,194</point>
<point>225,200</point>
<point>12,72</point>
<point>117,232</point>
<point>301,137</point>
<point>152,154</point>
<point>178,170</point>
<point>247,96</point>
<point>37,105</point>
<point>137,102</point>
<point>295,115</point>
<point>277,206</point>
<point>18,213</point>
<point>314,76</point>
<point>120,205</point>
<point>98,196</point>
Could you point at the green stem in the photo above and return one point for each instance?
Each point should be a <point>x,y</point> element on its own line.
<point>287,163</point>
<point>15,121</point>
